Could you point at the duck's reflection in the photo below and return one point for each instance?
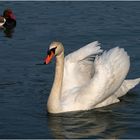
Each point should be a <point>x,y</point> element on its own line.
<point>8,32</point>
<point>89,124</point>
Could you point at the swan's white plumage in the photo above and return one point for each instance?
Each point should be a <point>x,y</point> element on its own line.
<point>78,70</point>
<point>90,49</point>
<point>90,84</point>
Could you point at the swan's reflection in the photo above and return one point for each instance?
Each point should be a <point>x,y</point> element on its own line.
<point>89,124</point>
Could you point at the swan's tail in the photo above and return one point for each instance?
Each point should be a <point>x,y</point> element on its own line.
<point>126,86</point>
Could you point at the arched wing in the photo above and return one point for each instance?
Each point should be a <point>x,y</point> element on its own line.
<point>79,66</point>
<point>92,48</point>
<point>110,71</point>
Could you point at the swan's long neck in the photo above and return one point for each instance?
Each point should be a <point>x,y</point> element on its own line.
<point>54,98</point>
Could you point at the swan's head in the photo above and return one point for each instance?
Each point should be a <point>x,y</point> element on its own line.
<point>55,49</point>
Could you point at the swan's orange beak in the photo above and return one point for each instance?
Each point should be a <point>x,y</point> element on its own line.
<point>49,57</point>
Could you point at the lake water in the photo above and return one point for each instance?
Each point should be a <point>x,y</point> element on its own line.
<point>25,86</point>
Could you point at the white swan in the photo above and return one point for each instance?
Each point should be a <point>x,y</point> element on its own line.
<point>82,83</point>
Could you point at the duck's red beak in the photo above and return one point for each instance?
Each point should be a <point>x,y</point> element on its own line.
<point>49,57</point>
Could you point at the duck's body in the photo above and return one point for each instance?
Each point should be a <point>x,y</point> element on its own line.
<point>82,83</point>
<point>10,23</point>
<point>8,19</point>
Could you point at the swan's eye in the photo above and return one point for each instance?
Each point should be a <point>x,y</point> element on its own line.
<point>51,50</point>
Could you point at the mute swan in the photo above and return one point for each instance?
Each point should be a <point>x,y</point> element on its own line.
<point>85,79</point>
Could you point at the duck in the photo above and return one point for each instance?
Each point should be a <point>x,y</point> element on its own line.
<point>8,19</point>
<point>87,78</point>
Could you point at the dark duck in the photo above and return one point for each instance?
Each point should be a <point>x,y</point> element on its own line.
<point>8,19</point>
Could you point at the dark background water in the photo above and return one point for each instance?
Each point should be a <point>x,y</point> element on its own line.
<point>25,86</point>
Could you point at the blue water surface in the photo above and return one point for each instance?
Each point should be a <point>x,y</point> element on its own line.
<point>25,85</point>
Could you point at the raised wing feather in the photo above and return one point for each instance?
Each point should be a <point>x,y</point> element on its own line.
<point>78,67</point>
<point>110,71</point>
<point>90,49</point>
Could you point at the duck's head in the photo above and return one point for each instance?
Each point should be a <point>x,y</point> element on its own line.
<point>55,49</point>
<point>8,13</point>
